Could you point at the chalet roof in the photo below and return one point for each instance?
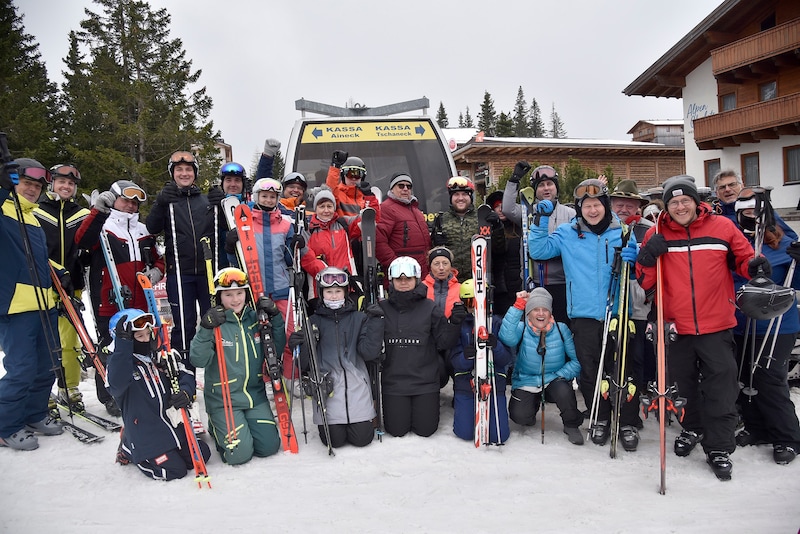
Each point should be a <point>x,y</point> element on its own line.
<point>667,76</point>
<point>530,146</point>
<point>664,122</point>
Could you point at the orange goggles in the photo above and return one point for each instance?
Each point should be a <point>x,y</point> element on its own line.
<point>182,157</point>
<point>67,171</point>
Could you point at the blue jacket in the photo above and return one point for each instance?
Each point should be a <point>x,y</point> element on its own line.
<point>464,368</point>
<point>560,360</point>
<point>142,393</point>
<point>587,259</point>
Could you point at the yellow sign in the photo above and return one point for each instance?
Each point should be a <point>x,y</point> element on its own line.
<point>331,132</point>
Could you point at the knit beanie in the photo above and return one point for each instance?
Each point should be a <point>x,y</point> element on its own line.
<point>539,298</point>
<point>324,194</point>
<point>682,184</point>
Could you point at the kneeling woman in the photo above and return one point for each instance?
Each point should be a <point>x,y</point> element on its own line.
<point>255,432</point>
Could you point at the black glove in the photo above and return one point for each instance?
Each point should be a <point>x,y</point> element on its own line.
<point>374,310</point>
<point>492,218</point>
<point>5,176</point>
<point>520,169</point>
<point>215,195</point>
<point>757,264</point>
<point>296,339</point>
<point>366,189</point>
<point>169,194</point>
<point>338,158</point>
<point>491,341</point>
<point>458,314</point>
<point>230,241</point>
<point>213,317</point>
<point>793,250</point>
<point>66,283</point>
<point>124,330</point>
<point>470,352</point>
<point>267,305</point>
<point>439,239</point>
<point>179,400</point>
<point>650,251</point>
<point>297,240</point>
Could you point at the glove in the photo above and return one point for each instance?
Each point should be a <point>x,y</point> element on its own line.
<point>544,207</point>
<point>105,201</point>
<point>439,239</point>
<point>338,158</point>
<point>213,317</point>
<point>491,341</point>
<point>154,274</point>
<point>124,329</point>
<point>759,263</point>
<point>651,250</point>
<point>271,147</point>
<point>179,400</point>
<point>5,176</point>
<point>230,241</point>
<point>470,352</point>
<point>366,189</point>
<point>215,195</point>
<point>458,314</point>
<point>66,283</point>
<point>297,240</point>
<point>520,170</point>
<point>630,251</point>
<point>793,250</point>
<point>492,218</point>
<point>296,339</point>
<point>169,194</point>
<point>267,305</point>
<point>374,310</point>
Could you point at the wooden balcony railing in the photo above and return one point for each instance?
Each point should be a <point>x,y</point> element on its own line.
<point>764,120</point>
<point>758,47</point>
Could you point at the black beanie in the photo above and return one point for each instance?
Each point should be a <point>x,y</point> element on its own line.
<point>682,184</point>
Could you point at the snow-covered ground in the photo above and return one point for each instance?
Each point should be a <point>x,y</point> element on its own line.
<point>438,484</point>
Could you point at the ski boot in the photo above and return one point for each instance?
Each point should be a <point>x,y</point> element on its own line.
<point>600,432</point>
<point>112,408</point>
<point>22,440</point>
<point>73,398</point>
<point>630,438</point>
<point>783,454</point>
<point>685,443</point>
<point>574,435</point>
<point>720,463</point>
<point>47,426</point>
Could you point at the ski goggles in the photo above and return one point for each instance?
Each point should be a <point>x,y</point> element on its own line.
<point>132,192</point>
<point>182,157</point>
<point>36,174</point>
<point>231,279</point>
<point>142,322</point>
<point>232,169</point>
<point>403,269</point>
<point>335,279</point>
<point>355,173</point>
<point>459,183</point>
<point>591,189</point>
<point>544,173</point>
<point>67,171</point>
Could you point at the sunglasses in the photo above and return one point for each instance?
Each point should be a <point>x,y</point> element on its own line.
<point>144,321</point>
<point>35,173</point>
<point>458,182</point>
<point>590,190</point>
<point>68,171</point>
<point>404,185</point>
<point>133,193</point>
<point>182,157</point>
<point>356,173</point>
<point>232,169</point>
<point>333,279</point>
<point>231,279</point>
<point>545,172</point>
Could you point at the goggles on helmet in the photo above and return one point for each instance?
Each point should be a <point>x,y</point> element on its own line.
<point>232,169</point>
<point>67,171</point>
<point>355,173</point>
<point>407,269</point>
<point>545,173</point>
<point>459,183</point>
<point>333,279</point>
<point>142,322</point>
<point>133,193</point>
<point>591,189</point>
<point>231,278</point>
<point>182,157</point>
<point>37,174</point>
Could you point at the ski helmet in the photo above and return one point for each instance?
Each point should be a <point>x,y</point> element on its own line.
<point>467,290</point>
<point>232,169</point>
<point>355,168</point>
<point>267,184</point>
<point>65,171</point>
<point>542,173</point>
<point>129,190</point>
<point>332,277</point>
<point>460,183</point>
<point>182,157</point>
<point>762,299</point>
<point>33,170</point>
<point>138,319</point>
<point>230,278</point>
<point>295,178</point>
<point>404,266</point>
<point>592,188</point>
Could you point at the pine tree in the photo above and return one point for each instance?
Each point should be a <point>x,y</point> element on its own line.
<point>460,120</point>
<point>441,116</point>
<point>28,100</point>
<point>468,120</point>
<point>487,117</point>
<point>557,130</point>
<point>141,85</point>
<point>505,126</point>
<point>521,128</point>
<point>535,122</point>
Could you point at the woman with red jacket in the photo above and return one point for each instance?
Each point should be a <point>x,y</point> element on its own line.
<point>402,230</point>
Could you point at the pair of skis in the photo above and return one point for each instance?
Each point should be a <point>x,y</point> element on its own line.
<point>484,377</point>
<point>372,293</point>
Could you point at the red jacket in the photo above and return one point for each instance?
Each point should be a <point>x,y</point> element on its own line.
<point>696,271</point>
<point>349,198</point>
<point>328,246</point>
<point>453,291</point>
<point>402,231</point>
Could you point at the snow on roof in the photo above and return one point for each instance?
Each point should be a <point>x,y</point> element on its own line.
<point>459,135</point>
<point>568,141</point>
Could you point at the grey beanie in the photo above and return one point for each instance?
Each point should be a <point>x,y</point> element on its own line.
<point>539,298</point>
<point>400,177</point>
<point>324,194</point>
<point>683,184</point>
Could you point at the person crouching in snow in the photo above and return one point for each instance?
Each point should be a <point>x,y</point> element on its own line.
<point>347,339</point>
<point>546,350</point>
<point>462,358</point>
<point>142,391</point>
<point>255,431</point>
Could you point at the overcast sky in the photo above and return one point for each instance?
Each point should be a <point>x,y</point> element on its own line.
<point>258,56</point>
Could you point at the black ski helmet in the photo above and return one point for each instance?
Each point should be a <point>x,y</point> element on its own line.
<point>542,173</point>
<point>762,299</point>
<point>354,165</point>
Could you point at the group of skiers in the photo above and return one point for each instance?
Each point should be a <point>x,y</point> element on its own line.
<point>240,291</point>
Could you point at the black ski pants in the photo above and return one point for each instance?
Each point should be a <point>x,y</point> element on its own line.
<point>524,405</point>
<point>411,413</point>
<point>357,434</point>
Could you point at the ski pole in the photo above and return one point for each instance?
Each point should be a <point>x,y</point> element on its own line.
<point>542,350</point>
<point>178,278</point>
